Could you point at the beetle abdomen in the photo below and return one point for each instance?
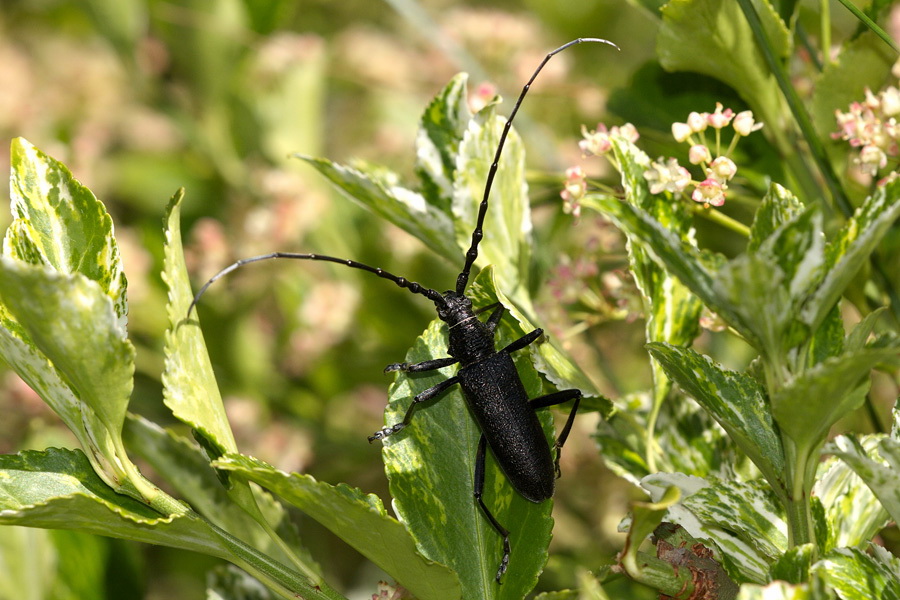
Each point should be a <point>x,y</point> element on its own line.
<point>499,403</point>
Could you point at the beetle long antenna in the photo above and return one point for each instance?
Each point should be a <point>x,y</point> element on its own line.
<point>412,286</point>
<point>463,279</point>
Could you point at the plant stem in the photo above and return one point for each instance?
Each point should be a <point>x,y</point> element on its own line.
<point>717,216</point>
<point>798,508</point>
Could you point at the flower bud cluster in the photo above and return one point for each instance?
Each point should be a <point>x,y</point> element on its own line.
<point>871,126</point>
<point>666,175</point>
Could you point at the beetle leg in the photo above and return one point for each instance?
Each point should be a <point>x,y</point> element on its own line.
<point>428,365</point>
<point>420,397</point>
<point>552,400</point>
<point>495,317</point>
<point>479,490</point>
<point>523,341</point>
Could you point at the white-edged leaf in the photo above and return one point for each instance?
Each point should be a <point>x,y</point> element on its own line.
<point>359,519</point>
<point>856,575</point>
<point>741,559</point>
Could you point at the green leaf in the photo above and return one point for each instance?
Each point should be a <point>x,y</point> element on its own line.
<point>741,559</point>
<point>713,38</point>
<point>778,207</point>
<point>59,223</point>
<point>358,519</point>
<point>687,438</point>
<point>882,479</point>
<point>430,466</point>
<point>380,191</point>
<point>736,401</point>
<point>67,342</point>
<point>749,510</point>
<point>58,489</point>
<point>186,466</point>
<point>777,590</point>
<point>793,566</point>
<point>441,130</point>
<point>645,518</point>
<point>507,228</point>
<point>189,384</point>
<point>852,510</point>
<point>855,575</point>
<point>810,403</point>
<point>852,247</point>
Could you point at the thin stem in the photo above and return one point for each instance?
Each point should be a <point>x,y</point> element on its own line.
<point>717,216</point>
<point>872,25</point>
<point>825,30</point>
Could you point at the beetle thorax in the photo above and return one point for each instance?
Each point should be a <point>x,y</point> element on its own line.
<point>470,339</point>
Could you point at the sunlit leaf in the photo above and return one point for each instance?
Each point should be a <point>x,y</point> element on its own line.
<point>736,401</point>
<point>856,575</point>
<point>359,519</point>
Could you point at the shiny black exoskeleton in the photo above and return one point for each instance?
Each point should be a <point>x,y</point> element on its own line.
<point>488,377</point>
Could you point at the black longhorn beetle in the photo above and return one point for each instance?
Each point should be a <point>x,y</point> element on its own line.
<point>488,377</point>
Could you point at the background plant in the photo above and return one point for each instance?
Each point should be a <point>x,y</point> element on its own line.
<point>239,139</point>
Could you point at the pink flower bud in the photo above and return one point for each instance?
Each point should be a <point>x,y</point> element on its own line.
<point>699,154</point>
<point>722,169</point>
<point>744,124</point>
<point>697,121</point>
<point>709,191</point>
<point>720,118</point>
<point>681,131</point>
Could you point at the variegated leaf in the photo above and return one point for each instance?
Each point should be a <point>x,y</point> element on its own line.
<point>736,401</point>
<point>360,519</point>
<point>777,590</point>
<point>380,191</point>
<point>741,559</point>
<point>59,223</point>
<point>856,575</point>
<point>852,510</point>
<point>441,130</point>
<point>507,227</point>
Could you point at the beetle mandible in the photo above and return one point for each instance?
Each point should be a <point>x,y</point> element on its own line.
<point>488,377</point>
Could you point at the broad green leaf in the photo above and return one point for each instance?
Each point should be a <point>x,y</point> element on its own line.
<point>883,479</point>
<point>645,518</point>
<point>552,362</point>
<point>441,130</point>
<point>689,441</point>
<point>672,312</point>
<point>852,247</point>
<point>380,191</point>
<point>754,286</point>
<point>359,519</point>
<point>852,510</point>
<point>430,466</point>
<point>856,575</point>
<point>28,563</point>
<point>59,223</point>
<point>798,247</point>
<point>793,566</point>
<point>695,269</point>
<point>777,590</point>
<point>58,489</point>
<point>227,582</point>
<point>748,510</point>
<point>713,38</point>
<point>743,562</point>
<point>507,227</point>
<point>88,362</point>
<point>736,401</point>
<point>778,207</point>
<point>186,466</point>
<point>189,384</point>
<point>809,404</point>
